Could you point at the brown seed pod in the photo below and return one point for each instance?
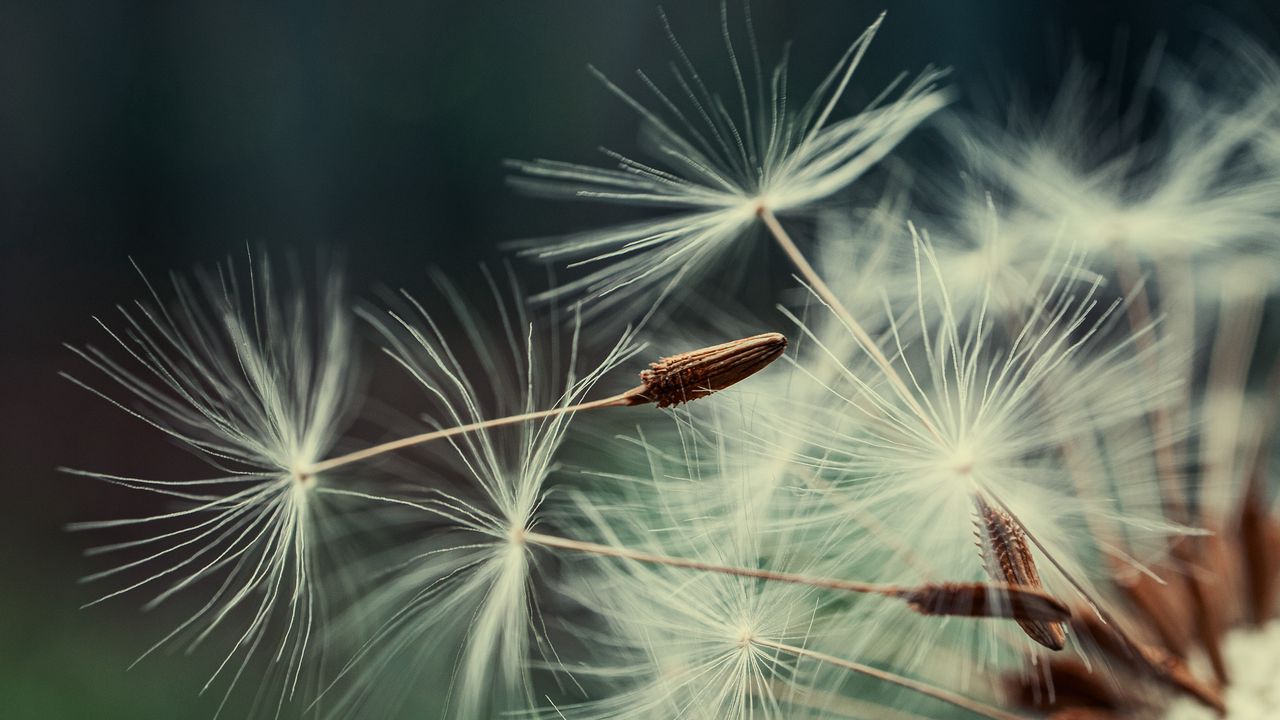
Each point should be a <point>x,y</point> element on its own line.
<point>987,600</point>
<point>698,373</point>
<point>1008,557</point>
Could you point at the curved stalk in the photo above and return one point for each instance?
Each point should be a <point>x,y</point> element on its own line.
<point>623,399</point>
<point>859,333</point>
<point>670,381</point>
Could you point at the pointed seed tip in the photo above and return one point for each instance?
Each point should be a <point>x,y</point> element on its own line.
<point>691,375</point>
<point>1007,556</point>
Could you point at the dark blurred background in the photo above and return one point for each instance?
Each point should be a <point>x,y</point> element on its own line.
<point>177,133</point>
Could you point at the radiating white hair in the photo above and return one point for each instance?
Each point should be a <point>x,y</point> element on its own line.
<point>254,376</point>
<point>462,594</point>
<point>717,167</point>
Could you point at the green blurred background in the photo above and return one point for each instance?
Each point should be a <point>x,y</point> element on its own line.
<point>178,132</point>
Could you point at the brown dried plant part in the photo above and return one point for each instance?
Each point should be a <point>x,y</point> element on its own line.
<point>1147,661</point>
<point>1066,685</point>
<point>1210,584</point>
<point>1164,604</point>
<point>1259,537</point>
<point>987,600</point>
<point>1078,713</point>
<point>1070,689</point>
<point>1007,556</point>
<point>691,375</point>
<point>1257,529</point>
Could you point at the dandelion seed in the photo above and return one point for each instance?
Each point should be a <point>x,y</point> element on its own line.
<point>475,576</point>
<point>995,419</point>
<point>256,383</point>
<point>719,170</point>
<point>1182,195</point>
<point>669,381</point>
<point>464,592</point>
<point>715,644</point>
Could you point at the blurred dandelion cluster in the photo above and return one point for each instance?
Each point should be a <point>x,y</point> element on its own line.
<point>1003,453</point>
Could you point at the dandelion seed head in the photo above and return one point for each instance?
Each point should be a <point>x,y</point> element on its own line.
<point>464,591</point>
<point>695,644</point>
<point>1007,409</point>
<point>1185,193</point>
<point>719,165</point>
<point>256,382</point>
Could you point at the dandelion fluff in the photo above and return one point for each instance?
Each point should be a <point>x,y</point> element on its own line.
<point>254,377</point>
<point>719,163</point>
<point>697,644</point>
<point>1000,409</point>
<point>1185,193</point>
<point>465,592</point>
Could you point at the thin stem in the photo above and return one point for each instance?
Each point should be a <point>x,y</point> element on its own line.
<point>923,688</point>
<point>1138,312</point>
<point>859,333</point>
<point>1229,361</point>
<point>1259,450</point>
<point>829,702</point>
<point>626,398</point>
<point>970,600</point>
<point>655,559</point>
<point>1179,319</point>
